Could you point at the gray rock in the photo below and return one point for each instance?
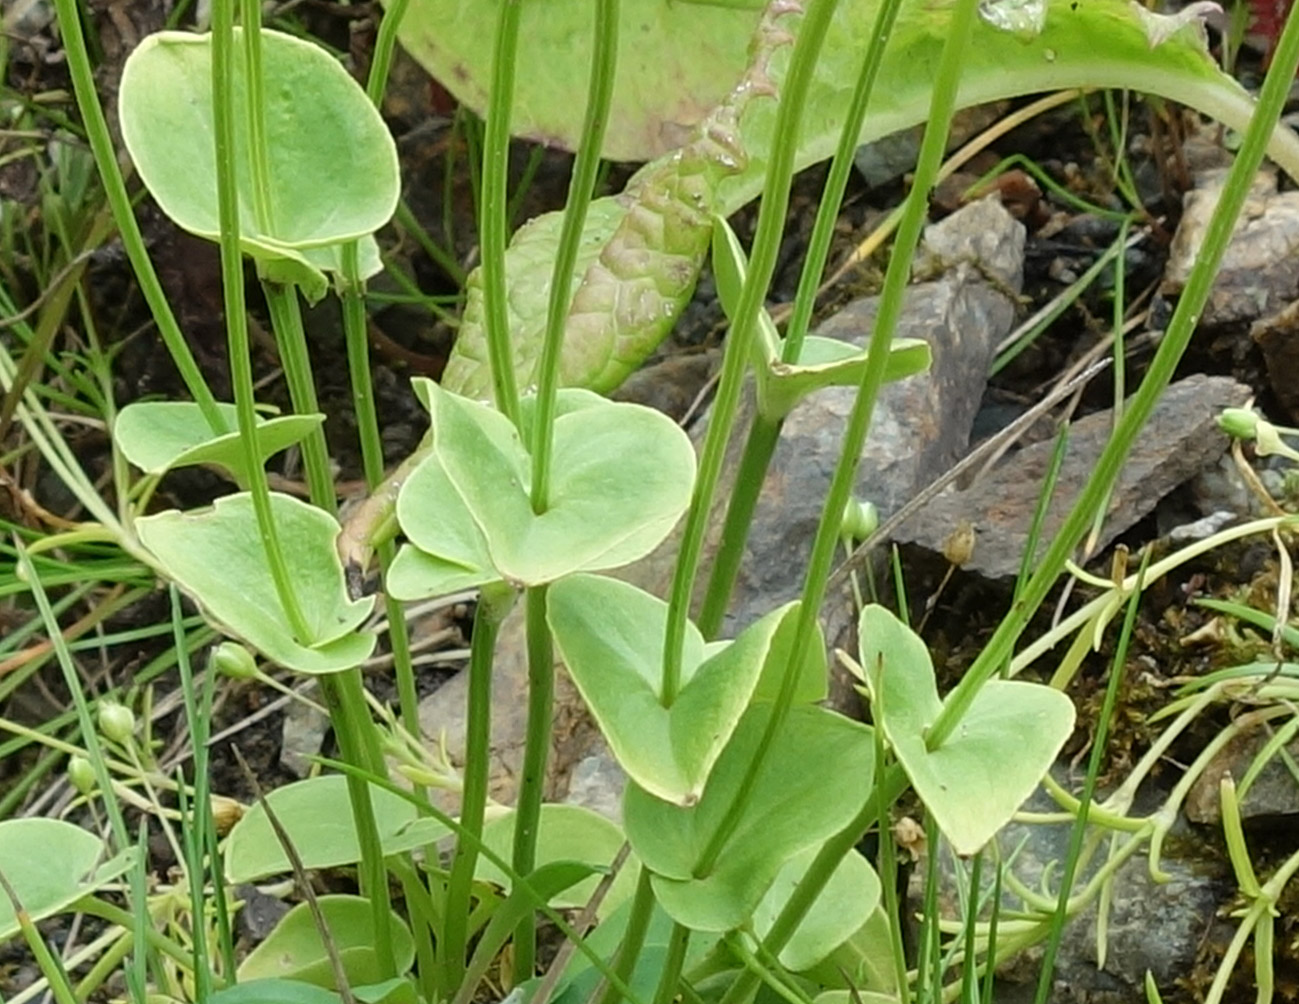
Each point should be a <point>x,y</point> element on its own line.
<point>1274,792</point>
<point>1260,270</point>
<point>1180,440</point>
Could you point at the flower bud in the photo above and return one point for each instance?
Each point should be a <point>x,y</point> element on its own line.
<point>117,722</point>
<point>233,660</point>
<point>81,774</point>
<point>1240,423</point>
<point>860,519</point>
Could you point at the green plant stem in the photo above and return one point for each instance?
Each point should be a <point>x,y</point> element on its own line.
<point>633,938</point>
<point>765,432</point>
<point>527,813</point>
<point>673,963</point>
<point>385,42</point>
<point>492,222</point>
<point>286,320</point>
<point>255,113</point>
<point>932,149</point>
<point>586,165</point>
<point>232,282</point>
<point>739,340</point>
<point>1271,100</point>
<point>367,427</point>
<point>493,604</point>
<point>119,201</point>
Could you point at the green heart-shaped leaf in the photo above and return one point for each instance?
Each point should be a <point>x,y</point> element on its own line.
<point>294,948</point>
<point>998,753</point>
<point>610,635</point>
<point>816,776</point>
<point>843,906</point>
<point>50,864</point>
<point>158,435</point>
<point>622,476</point>
<point>217,556</point>
<point>333,173</point>
<point>317,816</point>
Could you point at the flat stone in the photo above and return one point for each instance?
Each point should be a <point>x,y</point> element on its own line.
<point>1274,793</point>
<point>1180,440</point>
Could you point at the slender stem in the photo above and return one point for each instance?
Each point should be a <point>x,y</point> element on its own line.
<point>739,341</point>
<point>367,427</point>
<point>633,938</point>
<point>492,223</point>
<point>119,201</point>
<point>527,815</point>
<point>942,107</point>
<point>580,188</point>
<point>384,43</point>
<point>1271,100</point>
<point>286,320</point>
<point>758,451</point>
<point>678,943</point>
<point>255,113</point>
<point>232,282</point>
<point>493,605</point>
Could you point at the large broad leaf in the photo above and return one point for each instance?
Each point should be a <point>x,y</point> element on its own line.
<point>621,477</point>
<point>317,816</point>
<point>158,435</point>
<point>676,61</point>
<point>294,949</point>
<point>274,991</point>
<point>332,164</point>
<point>998,753</point>
<point>566,833</point>
<point>635,277</point>
<point>50,864</point>
<point>815,778</point>
<point>217,556</point>
<point>610,635</point>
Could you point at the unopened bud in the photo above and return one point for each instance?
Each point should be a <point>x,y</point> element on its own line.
<point>860,519</point>
<point>1240,423</point>
<point>117,722</point>
<point>234,661</point>
<point>81,774</point>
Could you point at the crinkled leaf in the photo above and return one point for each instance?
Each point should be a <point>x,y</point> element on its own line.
<point>294,948</point>
<point>565,833</point>
<point>632,289</point>
<point>50,864</point>
<point>844,905</point>
<point>158,435</point>
<point>998,753</point>
<point>676,62</point>
<point>610,635</point>
<point>816,776</point>
<point>317,815</point>
<point>621,477</point>
<point>217,556</point>
<point>332,162</point>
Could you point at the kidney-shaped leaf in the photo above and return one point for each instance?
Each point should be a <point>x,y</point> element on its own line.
<point>622,476</point>
<point>217,556</point>
<point>317,816</point>
<point>50,864</point>
<point>816,776</point>
<point>294,948</point>
<point>158,435</point>
<point>275,991</point>
<point>997,754</point>
<point>332,163</point>
<point>610,635</point>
